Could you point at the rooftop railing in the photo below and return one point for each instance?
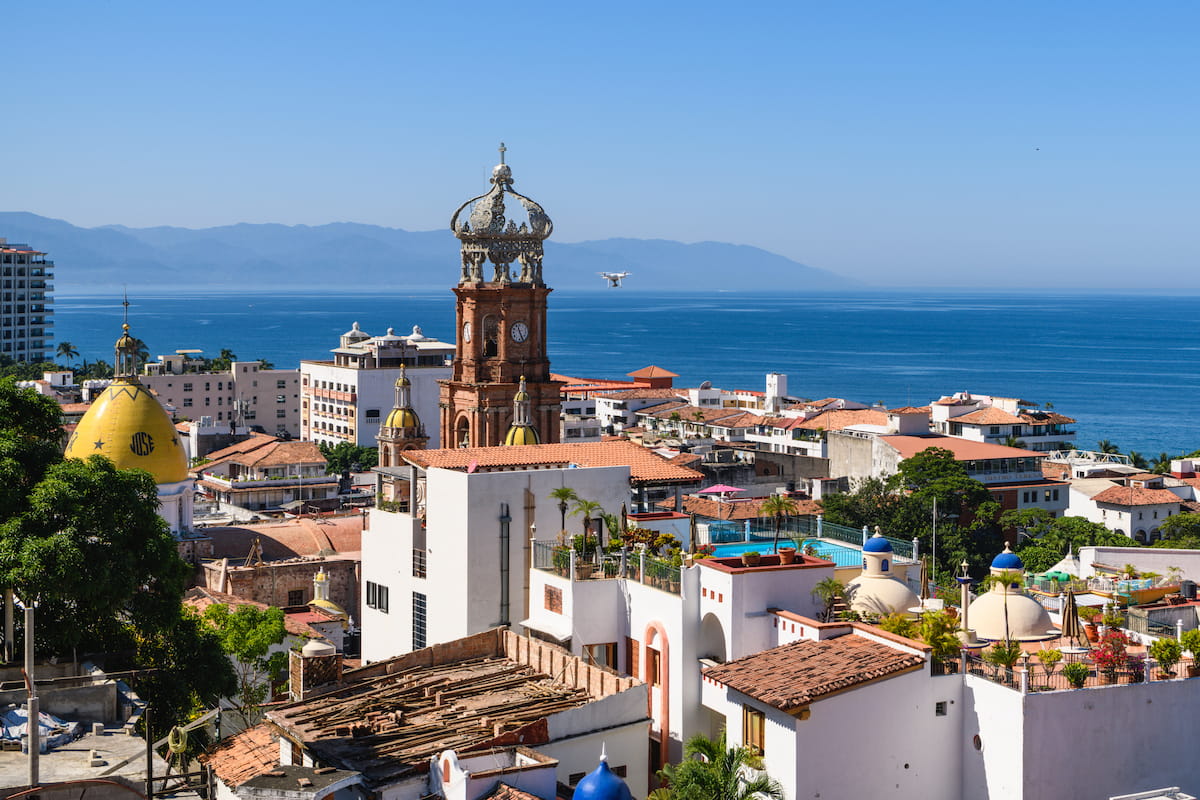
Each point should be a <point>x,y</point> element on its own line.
<point>1032,677</point>
<point>596,565</point>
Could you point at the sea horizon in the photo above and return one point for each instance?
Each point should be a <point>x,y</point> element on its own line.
<point>1123,364</point>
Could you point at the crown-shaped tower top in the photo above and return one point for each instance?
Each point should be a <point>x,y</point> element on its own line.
<point>501,227</point>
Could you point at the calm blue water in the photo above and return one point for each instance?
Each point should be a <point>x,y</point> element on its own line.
<point>1126,367</point>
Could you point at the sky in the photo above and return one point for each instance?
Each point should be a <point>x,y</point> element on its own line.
<point>1018,145</point>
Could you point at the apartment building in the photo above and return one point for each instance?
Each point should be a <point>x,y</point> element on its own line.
<point>25,303</point>
<point>345,399</point>
<point>245,395</point>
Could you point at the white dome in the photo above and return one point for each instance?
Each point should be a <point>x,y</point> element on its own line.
<point>880,594</point>
<point>1027,620</point>
<point>318,647</point>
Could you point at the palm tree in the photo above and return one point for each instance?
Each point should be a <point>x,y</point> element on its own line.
<point>777,507</point>
<point>828,591</point>
<point>1105,446</point>
<point>1137,459</point>
<point>564,495</point>
<point>1162,463</point>
<point>1014,441</point>
<point>715,771</point>
<point>68,351</point>
<point>586,508</point>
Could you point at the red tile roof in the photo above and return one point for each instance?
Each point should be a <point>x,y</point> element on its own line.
<point>837,419</point>
<point>244,755</point>
<point>644,393</point>
<point>652,372</point>
<point>909,410</point>
<point>797,674</point>
<point>290,538</point>
<point>645,466</point>
<point>1135,496</point>
<point>1045,418</point>
<point>988,416</point>
<point>963,449</point>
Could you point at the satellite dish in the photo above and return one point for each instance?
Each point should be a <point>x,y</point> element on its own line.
<point>706,385</point>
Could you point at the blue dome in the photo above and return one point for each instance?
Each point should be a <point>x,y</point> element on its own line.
<point>877,544</point>
<point>602,784</point>
<point>1007,560</point>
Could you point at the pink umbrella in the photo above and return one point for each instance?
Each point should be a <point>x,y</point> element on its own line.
<point>720,488</point>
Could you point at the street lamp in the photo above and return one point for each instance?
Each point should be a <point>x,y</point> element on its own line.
<point>965,635</point>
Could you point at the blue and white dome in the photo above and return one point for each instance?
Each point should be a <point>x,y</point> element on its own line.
<point>602,784</point>
<point>877,544</point>
<point>1007,560</point>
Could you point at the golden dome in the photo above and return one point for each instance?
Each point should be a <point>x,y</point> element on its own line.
<point>402,418</point>
<point>330,606</point>
<point>127,425</point>
<point>522,434</point>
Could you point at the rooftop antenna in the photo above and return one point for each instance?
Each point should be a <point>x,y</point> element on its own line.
<point>503,150</point>
<point>125,303</point>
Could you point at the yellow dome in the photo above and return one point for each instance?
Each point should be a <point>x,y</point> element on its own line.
<point>127,424</point>
<point>522,434</point>
<point>402,418</point>
<point>329,606</point>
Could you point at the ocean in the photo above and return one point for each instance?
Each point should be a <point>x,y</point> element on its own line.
<point>1126,367</point>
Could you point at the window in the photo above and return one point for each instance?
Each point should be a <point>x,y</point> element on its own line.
<point>372,414</point>
<point>207,401</point>
<point>207,386</point>
<point>1055,493</point>
<point>296,597</point>
<point>187,402</point>
<point>1046,496</point>
<point>601,655</point>
<point>280,398</point>
<point>377,596</point>
<point>187,387</point>
<point>249,415</point>
<point>419,610</point>
<point>754,724</point>
<point>280,413</point>
<point>281,384</point>
<point>632,651</point>
<point>939,708</point>
<point>653,660</point>
<point>419,566</point>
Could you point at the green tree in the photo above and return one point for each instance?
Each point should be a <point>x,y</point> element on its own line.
<point>778,507</point>
<point>712,770</point>
<point>83,540</point>
<point>344,456</point>
<point>1005,578</point>
<point>1180,531</point>
<point>248,635</point>
<point>1161,463</point>
<point>1137,459</point>
<point>586,509</point>
<point>1105,446</point>
<point>1014,441</point>
<point>564,496</point>
<point>67,351</point>
<point>223,362</point>
<point>829,591</point>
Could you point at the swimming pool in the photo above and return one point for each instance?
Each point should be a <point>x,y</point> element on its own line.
<point>840,555</point>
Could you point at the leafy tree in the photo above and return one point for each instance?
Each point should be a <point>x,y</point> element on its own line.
<point>1137,459</point>
<point>778,507</point>
<point>871,503</point>
<point>24,371</point>
<point>83,540</point>
<point>1161,463</point>
<point>564,495</point>
<point>264,364</point>
<point>586,509</point>
<point>223,362</point>
<point>67,351</point>
<point>829,592</point>
<point>1180,531</point>
<point>248,634</point>
<point>1105,446</point>
<point>712,770</point>
<point>342,457</point>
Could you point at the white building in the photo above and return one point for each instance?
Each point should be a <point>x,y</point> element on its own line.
<point>448,555</point>
<point>1000,420</point>
<point>344,400</point>
<point>1133,506</point>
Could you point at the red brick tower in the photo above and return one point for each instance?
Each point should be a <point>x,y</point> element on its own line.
<point>501,319</point>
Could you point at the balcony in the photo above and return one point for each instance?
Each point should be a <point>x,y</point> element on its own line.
<point>272,482</point>
<point>567,563</point>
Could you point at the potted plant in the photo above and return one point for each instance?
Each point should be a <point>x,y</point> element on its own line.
<point>1113,620</point>
<point>787,555</point>
<point>562,560</point>
<point>1002,654</point>
<point>1076,674</point>
<point>673,572</point>
<point>1190,641</point>
<point>1089,615</point>
<point>1109,655</point>
<point>1049,660</point>
<point>751,558</point>
<point>810,550</point>
<point>1167,653</point>
<point>1136,664</point>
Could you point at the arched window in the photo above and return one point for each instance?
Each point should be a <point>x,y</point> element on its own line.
<point>885,565</point>
<point>462,432</point>
<point>491,336</point>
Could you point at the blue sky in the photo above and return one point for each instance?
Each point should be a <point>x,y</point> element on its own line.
<point>942,144</point>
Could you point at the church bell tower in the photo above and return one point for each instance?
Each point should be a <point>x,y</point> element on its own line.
<point>501,319</point>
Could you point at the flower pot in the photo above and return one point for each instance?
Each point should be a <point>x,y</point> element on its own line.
<point>1164,675</point>
<point>751,558</point>
<point>1192,670</point>
<point>1107,680</point>
<point>787,555</point>
<point>1090,630</point>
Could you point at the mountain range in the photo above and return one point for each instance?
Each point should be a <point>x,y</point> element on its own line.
<point>349,256</point>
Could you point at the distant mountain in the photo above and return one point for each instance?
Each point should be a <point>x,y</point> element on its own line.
<point>349,256</point>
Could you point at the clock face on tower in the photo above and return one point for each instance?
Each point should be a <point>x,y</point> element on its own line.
<point>466,331</point>
<point>519,332</point>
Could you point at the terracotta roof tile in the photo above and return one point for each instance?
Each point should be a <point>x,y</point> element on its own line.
<point>643,393</point>
<point>244,755</point>
<point>963,449</point>
<point>505,792</point>
<point>988,416</point>
<point>838,419</point>
<point>1135,496</point>
<point>687,413</point>
<point>796,674</point>
<point>1045,418</point>
<point>909,410</point>
<point>645,466</point>
<point>652,372</point>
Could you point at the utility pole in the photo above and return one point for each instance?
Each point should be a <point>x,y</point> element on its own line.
<point>33,714</point>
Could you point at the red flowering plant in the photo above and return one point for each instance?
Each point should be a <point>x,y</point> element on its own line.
<point>1109,654</point>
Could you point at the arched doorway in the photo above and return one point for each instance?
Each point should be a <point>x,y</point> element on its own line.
<point>712,639</point>
<point>660,679</point>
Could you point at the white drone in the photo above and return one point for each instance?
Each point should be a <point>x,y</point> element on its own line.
<point>614,278</point>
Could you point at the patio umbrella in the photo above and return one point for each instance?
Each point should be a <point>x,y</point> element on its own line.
<point>692,532</point>
<point>924,580</point>
<point>1071,629</point>
<point>624,520</point>
<point>720,488</point>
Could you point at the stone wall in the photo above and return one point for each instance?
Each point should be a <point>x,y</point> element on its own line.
<point>271,581</point>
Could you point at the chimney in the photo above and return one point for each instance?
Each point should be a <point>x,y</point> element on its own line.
<point>316,667</point>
